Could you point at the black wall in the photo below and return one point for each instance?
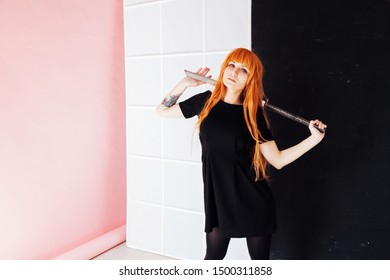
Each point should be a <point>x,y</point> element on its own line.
<point>329,59</point>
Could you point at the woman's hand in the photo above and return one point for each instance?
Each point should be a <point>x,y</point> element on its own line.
<point>191,82</point>
<point>168,107</point>
<point>279,159</point>
<point>315,132</point>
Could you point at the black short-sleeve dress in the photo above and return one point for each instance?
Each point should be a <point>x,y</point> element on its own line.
<point>234,202</point>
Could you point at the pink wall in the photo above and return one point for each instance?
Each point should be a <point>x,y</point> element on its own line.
<point>62,127</point>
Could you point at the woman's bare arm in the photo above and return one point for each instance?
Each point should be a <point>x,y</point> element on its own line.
<point>169,107</point>
<point>279,159</point>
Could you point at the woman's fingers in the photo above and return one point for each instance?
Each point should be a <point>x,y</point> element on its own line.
<point>320,124</point>
<point>203,71</point>
<point>314,124</point>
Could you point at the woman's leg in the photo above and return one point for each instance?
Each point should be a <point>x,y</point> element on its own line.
<point>217,245</point>
<point>259,247</point>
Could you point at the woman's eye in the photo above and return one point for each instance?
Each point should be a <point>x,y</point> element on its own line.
<point>231,65</point>
<point>243,70</point>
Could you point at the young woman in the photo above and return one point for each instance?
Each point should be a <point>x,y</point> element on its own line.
<point>237,146</point>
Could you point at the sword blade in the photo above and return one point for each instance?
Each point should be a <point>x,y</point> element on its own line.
<point>200,78</point>
<point>266,104</point>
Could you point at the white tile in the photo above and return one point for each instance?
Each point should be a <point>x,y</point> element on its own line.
<point>182,26</point>
<point>183,235</point>
<point>144,179</point>
<point>143,81</point>
<point>144,227</point>
<point>227,24</point>
<point>173,72</point>
<point>172,27</point>
<point>181,140</point>
<point>183,186</point>
<point>142,30</point>
<point>143,132</point>
<point>214,62</point>
<point>237,250</point>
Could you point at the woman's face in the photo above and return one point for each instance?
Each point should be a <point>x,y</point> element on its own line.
<point>235,76</point>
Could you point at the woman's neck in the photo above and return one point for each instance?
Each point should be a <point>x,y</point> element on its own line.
<point>232,97</point>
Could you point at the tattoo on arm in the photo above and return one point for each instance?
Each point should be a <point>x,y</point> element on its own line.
<point>170,100</point>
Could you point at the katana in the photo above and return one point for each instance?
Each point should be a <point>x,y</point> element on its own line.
<point>265,102</point>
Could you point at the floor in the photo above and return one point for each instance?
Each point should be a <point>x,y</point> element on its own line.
<point>121,252</point>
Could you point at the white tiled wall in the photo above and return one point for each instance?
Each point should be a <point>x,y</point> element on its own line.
<point>165,190</point>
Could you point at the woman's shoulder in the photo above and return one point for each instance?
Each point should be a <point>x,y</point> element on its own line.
<point>194,105</point>
<point>206,94</point>
<point>201,98</point>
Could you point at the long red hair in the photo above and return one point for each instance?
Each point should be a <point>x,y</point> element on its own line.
<point>251,98</point>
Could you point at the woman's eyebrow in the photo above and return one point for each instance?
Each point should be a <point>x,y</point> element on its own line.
<point>242,65</point>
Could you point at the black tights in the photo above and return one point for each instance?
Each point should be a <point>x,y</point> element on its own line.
<point>217,245</point>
